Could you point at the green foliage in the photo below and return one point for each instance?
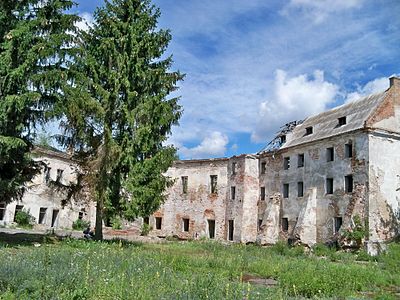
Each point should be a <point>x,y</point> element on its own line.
<point>122,114</point>
<point>116,222</point>
<point>24,219</point>
<point>146,228</point>
<point>76,269</point>
<point>357,232</point>
<point>80,224</point>
<point>36,39</point>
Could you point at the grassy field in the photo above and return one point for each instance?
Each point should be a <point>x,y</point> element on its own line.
<point>74,269</point>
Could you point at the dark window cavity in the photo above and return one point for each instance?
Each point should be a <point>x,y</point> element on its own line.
<point>185,224</point>
<point>300,189</point>
<point>2,210</point>
<point>286,163</point>
<point>285,224</point>
<point>300,160</point>
<point>348,183</point>
<point>286,190</point>
<point>42,215</point>
<point>262,193</point>
<point>214,182</point>
<point>59,175</point>
<point>330,154</point>
<point>211,229</point>
<point>158,223</point>
<point>263,167</point>
<point>233,192</point>
<point>348,150</point>
<point>337,224</point>
<point>329,185</point>
<point>230,230</point>
<point>309,130</point>
<point>342,121</point>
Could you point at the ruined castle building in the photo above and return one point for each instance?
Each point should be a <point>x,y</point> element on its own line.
<point>46,196</point>
<point>324,172</point>
<point>316,179</point>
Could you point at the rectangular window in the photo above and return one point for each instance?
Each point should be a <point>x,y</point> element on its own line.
<point>233,192</point>
<point>146,220</point>
<point>300,189</point>
<point>158,223</point>
<point>42,215</point>
<point>185,223</point>
<point>286,190</point>
<point>230,230</point>
<point>300,160</point>
<point>286,163</point>
<point>348,150</point>
<point>262,193</point>
<point>54,217</point>
<point>309,130</point>
<point>341,121</point>
<point>337,223</point>
<point>80,215</point>
<point>233,168</point>
<point>259,224</point>
<point>329,185</point>
<point>263,167</point>
<point>17,209</point>
<point>330,154</point>
<point>348,183</point>
<point>214,180</point>
<point>285,224</point>
<point>283,139</point>
<point>2,211</point>
<point>184,180</point>
<point>47,174</point>
<point>59,175</point>
<point>211,229</point>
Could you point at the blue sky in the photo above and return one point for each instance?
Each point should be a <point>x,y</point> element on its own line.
<point>251,66</point>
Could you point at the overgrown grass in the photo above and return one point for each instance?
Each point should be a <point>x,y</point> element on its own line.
<point>75,269</point>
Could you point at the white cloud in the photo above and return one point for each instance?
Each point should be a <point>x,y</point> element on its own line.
<point>319,10</point>
<point>374,86</point>
<point>213,144</point>
<point>293,99</point>
<point>86,22</point>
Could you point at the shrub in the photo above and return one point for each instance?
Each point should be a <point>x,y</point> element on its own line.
<point>146,228</point>
<point>116,223</point>
<point>24,218</point>
<point>80,224</point>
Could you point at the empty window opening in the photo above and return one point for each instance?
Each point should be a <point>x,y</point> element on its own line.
<point>214,182</point>
<point>54,217</point>
<point>341,121</point>
<point>233,168</point>
<point>47,174</point>
<point>184,184</point>
<point>309,130</point>
<point>17,209</point>
<point>283,139</point>
<point>286,190</point>
<point>285,224</point>
<point>59,175</point>
<point>286,163</point>
<point>80,215</point>
<point>337,224</point>
<point>300,160</point>
<point>348,183</point>
<point>300,189</point>
<point>42,215</point>
<point>211,229</point>
<point>329,185</point>
<point>262,193</point>
<point>2,211</point>
<point>233,192</point>
<point>158,223</point>
<point>146,220</point>
<point>230,230</point>
<point>185,224</point>
<point>263,167</point>
<point>330,154</point>
<point>348,150</point>
<point>259,224</point>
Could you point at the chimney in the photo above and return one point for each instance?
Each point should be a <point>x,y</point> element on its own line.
<point>394,81</point>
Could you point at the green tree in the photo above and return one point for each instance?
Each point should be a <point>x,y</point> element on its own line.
<point>120,129</point>
<point>36,47</point>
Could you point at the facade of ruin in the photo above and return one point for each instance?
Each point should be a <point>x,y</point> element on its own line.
<point>316,178</point>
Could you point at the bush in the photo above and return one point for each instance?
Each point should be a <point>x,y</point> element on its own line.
<point>24,218</point>
<point>146,228</point>
<point>80,224</point>
<point>116,223</point>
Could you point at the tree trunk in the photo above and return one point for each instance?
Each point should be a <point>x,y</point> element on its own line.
<point>98,234</point>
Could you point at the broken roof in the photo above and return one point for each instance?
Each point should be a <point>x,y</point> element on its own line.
<point>326,124</point>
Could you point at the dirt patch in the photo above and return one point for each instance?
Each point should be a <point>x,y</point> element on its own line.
<point>256,280</point>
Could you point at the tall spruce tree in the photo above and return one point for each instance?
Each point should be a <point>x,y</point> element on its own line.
<point>36,47</point>
<point>120,131</point>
